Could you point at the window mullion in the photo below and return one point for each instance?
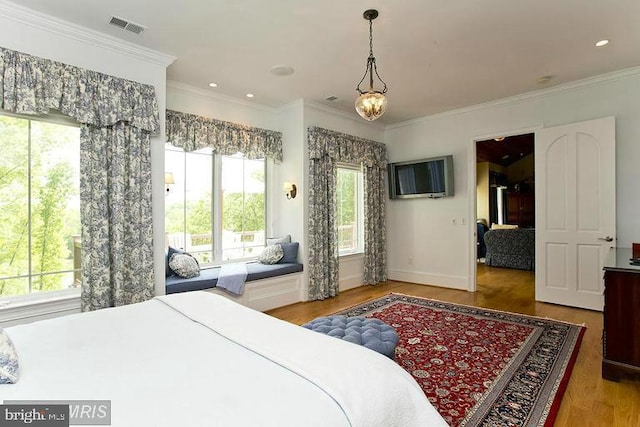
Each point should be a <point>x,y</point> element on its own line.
<point>216,200</point>
<point>184,203</point>
<point>29,167</point>
<point>244,207</point>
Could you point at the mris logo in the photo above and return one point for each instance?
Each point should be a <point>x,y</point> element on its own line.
<point>34,415</point>
<point>76,412</point>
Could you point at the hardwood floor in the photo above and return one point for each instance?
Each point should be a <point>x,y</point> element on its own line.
<point>588,401</point>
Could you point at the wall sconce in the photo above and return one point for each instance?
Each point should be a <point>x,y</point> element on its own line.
<point>168,180</point>
<point>290,190</point>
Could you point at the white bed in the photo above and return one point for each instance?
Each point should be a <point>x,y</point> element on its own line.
<point>198,359</point>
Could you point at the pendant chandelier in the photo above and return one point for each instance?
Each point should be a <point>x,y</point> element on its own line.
<point>371,103</point>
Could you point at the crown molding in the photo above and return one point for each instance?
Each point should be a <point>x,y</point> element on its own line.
<point>341,113</point>
<point>203,93</point>
<point>298,103</point>
<point>527,96</point>
<point>67,29</point>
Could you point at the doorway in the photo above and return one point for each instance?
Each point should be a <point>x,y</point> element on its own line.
<point>505,212</point>
<point>575,219</point>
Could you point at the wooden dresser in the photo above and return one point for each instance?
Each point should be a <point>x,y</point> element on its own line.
<point>521,208</point>
<point>621,335</point>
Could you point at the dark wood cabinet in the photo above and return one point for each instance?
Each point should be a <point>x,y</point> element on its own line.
<point>621,334</point>
<point>521,208</point>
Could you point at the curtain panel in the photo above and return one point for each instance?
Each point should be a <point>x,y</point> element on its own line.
<point>117,231</point>
<point>326,149</point>
<point>117,117</point>
<point>191,132</point>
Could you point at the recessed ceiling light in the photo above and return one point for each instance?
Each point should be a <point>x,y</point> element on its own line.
<point>603,42</point>
<point>250,95</point>
<point>281,70</point>
<point>212,84</point>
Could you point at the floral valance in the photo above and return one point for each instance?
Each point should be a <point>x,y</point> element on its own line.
<point>191,132</point>
<point>33,85</point>
<point>346,148</point>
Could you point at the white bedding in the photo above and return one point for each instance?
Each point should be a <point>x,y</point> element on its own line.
<point>198,359</point>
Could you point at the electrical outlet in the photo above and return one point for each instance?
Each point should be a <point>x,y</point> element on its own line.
<point>410,260</point>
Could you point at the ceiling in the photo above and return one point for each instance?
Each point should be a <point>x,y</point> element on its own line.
<point>435,55</point>
<point>507,151</point>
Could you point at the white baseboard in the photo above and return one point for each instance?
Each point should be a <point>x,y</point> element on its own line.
<point>350,282</point>
<point>445,281</point>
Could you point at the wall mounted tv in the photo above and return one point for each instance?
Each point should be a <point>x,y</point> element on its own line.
<point>421,178</point>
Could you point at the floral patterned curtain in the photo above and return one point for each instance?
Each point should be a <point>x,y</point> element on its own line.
<point>323,233</point>
<point>191,132</point>
<point>326,148</point>
<point>117,116</point>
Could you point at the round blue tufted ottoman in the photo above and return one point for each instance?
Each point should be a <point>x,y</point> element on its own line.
<point>370,333</point>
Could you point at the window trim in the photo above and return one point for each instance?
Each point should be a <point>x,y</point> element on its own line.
<point>359,249</point>
<point>217,188</point>
<point>12,302</point>
<point>216,205</point>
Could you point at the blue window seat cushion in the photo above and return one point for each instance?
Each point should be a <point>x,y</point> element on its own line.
<point>208,277</point>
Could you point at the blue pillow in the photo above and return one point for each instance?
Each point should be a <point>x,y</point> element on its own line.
<point>167,269</point>
<point>290,252</point>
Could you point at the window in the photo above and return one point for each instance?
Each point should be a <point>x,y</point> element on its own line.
<point>350,197</point>
<point>39,206</point>
<point>243,207</point>
<point>215,209</point>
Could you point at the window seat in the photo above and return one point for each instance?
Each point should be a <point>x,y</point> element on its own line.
<point>209,276</point>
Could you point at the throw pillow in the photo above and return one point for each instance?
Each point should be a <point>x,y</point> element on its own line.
<point>167,269</point>
<point>8,360</point>
<point>290,252</point>
<point>276,240</point>
<point>503,227</point>
<point>271,255</point>
<point>184,265</point>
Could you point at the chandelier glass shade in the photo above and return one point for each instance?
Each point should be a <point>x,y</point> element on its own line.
<point>371,104</point>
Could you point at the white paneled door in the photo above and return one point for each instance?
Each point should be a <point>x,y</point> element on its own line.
<point>575,211</point>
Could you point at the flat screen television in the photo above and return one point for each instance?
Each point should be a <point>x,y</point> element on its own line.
<point>421,178</point>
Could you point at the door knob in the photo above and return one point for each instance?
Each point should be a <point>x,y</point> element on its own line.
<point>606,239</point>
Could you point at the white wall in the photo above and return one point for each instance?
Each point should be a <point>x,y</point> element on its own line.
<point>288,215</point>
<point>423,244</point>
<point>41,35</point>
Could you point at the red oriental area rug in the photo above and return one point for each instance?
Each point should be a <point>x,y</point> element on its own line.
<point>481,367</point>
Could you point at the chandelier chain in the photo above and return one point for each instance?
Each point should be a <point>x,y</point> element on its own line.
<point>371,65</point>
<point>370,38</point>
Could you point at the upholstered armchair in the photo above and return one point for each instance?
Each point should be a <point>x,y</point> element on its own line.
<point>514,248</point>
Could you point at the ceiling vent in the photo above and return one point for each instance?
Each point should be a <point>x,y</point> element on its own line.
<point>331,98</point>
<point>126,25</point>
